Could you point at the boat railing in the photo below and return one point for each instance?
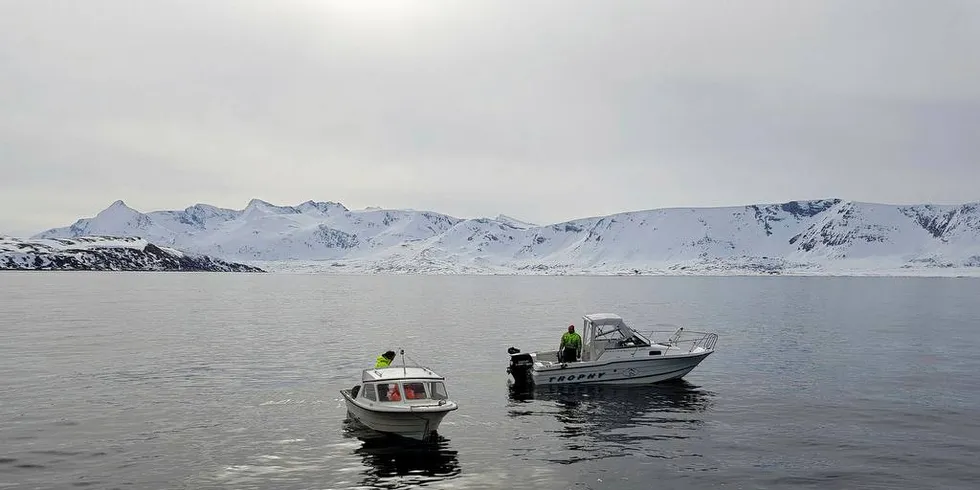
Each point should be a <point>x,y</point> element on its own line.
<point>681,338</point>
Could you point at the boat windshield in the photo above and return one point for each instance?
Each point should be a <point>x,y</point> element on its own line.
<point>412,390</point>
<point>617,334</point>
<point>389,392</point>
<point>370,392</point>
<point>437,390</point>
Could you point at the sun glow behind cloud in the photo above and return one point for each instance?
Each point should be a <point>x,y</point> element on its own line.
<point>383,13</point>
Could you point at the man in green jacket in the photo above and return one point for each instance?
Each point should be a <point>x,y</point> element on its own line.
<point>384,360</point>
<point>571,346</point>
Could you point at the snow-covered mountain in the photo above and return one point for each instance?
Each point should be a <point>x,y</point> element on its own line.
<point>810,237</point>
<point>103,253</point>
<point>514,222</point>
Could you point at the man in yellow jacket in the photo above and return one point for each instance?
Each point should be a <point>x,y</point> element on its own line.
<point>571,346</point>
<point>384,360</point>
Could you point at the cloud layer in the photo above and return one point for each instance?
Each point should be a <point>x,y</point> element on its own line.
<point>545,110</point>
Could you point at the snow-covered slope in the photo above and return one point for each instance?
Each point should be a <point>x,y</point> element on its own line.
<point>514,222</point>
<point>105,253</point>
<point>812,237</point>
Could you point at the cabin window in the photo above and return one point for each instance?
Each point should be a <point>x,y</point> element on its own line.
<point>389,392</point>
<point>414,390</point>
<point>369,392</point>
<point>437,390</point>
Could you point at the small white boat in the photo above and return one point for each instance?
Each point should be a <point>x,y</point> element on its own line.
<point>406,401</point>
<point>615,353</point>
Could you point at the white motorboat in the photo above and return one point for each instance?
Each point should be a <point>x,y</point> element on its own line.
<point>615,353</point>
<point>406,401</point>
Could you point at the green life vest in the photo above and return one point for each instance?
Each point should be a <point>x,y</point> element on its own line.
<point>383,362</point>
<point>571,339</point>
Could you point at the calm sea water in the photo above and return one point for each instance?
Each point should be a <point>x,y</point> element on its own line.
<point>171,380</point>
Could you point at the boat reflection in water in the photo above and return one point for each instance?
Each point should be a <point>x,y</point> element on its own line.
<point>393,462</point>
<point>601,421</point>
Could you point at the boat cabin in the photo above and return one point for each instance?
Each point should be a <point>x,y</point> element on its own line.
<point>401,384</point>
<point>602,331</point>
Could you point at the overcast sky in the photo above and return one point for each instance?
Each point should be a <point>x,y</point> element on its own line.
<point>542,110</point>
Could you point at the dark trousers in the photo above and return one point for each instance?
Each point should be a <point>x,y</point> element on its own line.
<point>567,354</point>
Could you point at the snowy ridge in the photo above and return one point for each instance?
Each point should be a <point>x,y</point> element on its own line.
<point>105,253</point>
<point>817,237</point>
<point>514,222</point>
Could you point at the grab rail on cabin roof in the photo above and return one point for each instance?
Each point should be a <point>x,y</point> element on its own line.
<point>705,340</point>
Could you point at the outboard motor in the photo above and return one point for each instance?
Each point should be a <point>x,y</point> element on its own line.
<point>520,367</point>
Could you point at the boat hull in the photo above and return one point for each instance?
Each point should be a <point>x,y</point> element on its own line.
<point>618,372</point>
<point>420,425</point>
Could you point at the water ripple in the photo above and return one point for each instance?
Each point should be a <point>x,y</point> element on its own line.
<point>217,381</point>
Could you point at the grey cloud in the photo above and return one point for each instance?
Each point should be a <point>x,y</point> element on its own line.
<point>478,108</point>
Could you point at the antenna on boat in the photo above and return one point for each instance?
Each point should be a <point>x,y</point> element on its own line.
<point>402,353</point>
